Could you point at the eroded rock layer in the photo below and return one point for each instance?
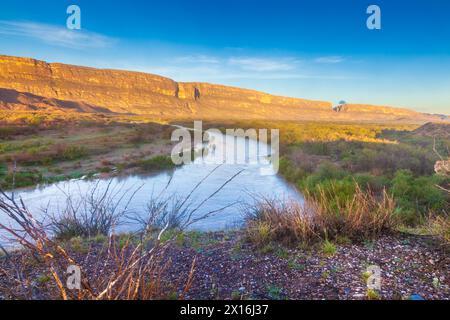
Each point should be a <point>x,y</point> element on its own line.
<point>33,84</point>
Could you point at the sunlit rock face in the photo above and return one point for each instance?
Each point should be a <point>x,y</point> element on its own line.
<point>97,90</point>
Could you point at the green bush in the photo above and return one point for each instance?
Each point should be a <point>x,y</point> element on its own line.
<point>73,152</point>
<point>325,171</point>
<point>371,182</point>
<point>157,163</point>
<point>21,179</point>
<point>417,196</point>
<point>3,170</point>
<point>328,248</point>
<point>288,170</point>
<point>334,192</point>
<point>334,183</point>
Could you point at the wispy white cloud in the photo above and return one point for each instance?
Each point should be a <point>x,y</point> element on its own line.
<point>246,63</point>
<point>204,59</point>
<point>263,64</point>
<point>229,69</point>
<point>55,35</point>
<point>330,59</point>
<point>211,73</point>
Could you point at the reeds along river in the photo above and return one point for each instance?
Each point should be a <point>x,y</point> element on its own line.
<point>254,179</point>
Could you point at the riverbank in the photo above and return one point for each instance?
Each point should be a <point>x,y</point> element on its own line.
<point>342,174</point>
<point>229,267</point>
<point>63,150</point>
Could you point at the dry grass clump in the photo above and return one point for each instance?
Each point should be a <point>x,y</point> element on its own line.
<point>321,217</point>
<point>440,227</point>
<point>125,271</point>
<point>125,268</point>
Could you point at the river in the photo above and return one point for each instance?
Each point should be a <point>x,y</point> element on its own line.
<point>254,180</point>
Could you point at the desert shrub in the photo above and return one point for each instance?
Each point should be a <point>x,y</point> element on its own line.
<point>417,196</point>
<point>44,154</point>
<point>322,216</point>
<point>325,171</point>
<point>440,227</point>
<point>393,157</point>
<point>316,148</point>
<point>156,163</point>
<point>290,171</point>
<point>3,170</point>
<point>328,248</point>
<point>331,182</point>
<point>94,213</point>
<point>31,146</point>
<point>286,222</point>
<point>371,182</point>
<point>8,131</point>
<point>165,213</point>
<point>132,273</point>
<point>259,232</point>
<point>71,152</point>
<point>360,216</point>
<point>334,192</point>
<point>385,158</point>
<point>21,179</point>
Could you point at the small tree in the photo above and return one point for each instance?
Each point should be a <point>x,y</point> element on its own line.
<point>340,106</point>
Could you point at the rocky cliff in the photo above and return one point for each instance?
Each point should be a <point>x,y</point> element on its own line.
<point>32,84</point>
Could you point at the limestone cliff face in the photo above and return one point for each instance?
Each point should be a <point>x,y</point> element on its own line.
<point>140,93</point>
<point>119,91</point>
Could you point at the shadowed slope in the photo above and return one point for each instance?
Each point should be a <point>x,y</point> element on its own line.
<point>22,101</point>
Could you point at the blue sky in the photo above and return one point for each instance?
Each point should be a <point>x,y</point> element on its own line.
<point>313,49</point>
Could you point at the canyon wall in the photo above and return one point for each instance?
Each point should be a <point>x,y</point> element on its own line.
<point>94,90</point>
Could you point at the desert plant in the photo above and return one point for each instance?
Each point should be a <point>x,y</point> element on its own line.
<point>440,227</point>
<point>322,216</point>
<point>156,163</point>
<point>372,294</point>
<point>134,268</point>
<point>328,248</point>
<point>361,216</point>
<point>177,214</point>
<point>259,232</point>
<point>94,213</point>
<point>132,272</point>
<point>287,222</point>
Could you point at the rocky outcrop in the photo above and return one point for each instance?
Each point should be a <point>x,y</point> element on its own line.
<point>147,94</point>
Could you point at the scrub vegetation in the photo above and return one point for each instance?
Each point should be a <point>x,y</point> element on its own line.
<point>371,190</point>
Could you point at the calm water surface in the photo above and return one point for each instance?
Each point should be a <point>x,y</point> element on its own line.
<point>256,179</point>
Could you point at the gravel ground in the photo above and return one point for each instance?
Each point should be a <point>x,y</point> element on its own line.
<point>229,268</point>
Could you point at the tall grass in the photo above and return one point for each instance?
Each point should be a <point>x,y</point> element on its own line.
<point>130,269</point>
<point>323,216</point>
<point>119,272</point>
<point>439,226</point>
<point>96,212</point>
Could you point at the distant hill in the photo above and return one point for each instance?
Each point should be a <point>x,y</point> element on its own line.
<point>30,84</point>
<point>437,130</point>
